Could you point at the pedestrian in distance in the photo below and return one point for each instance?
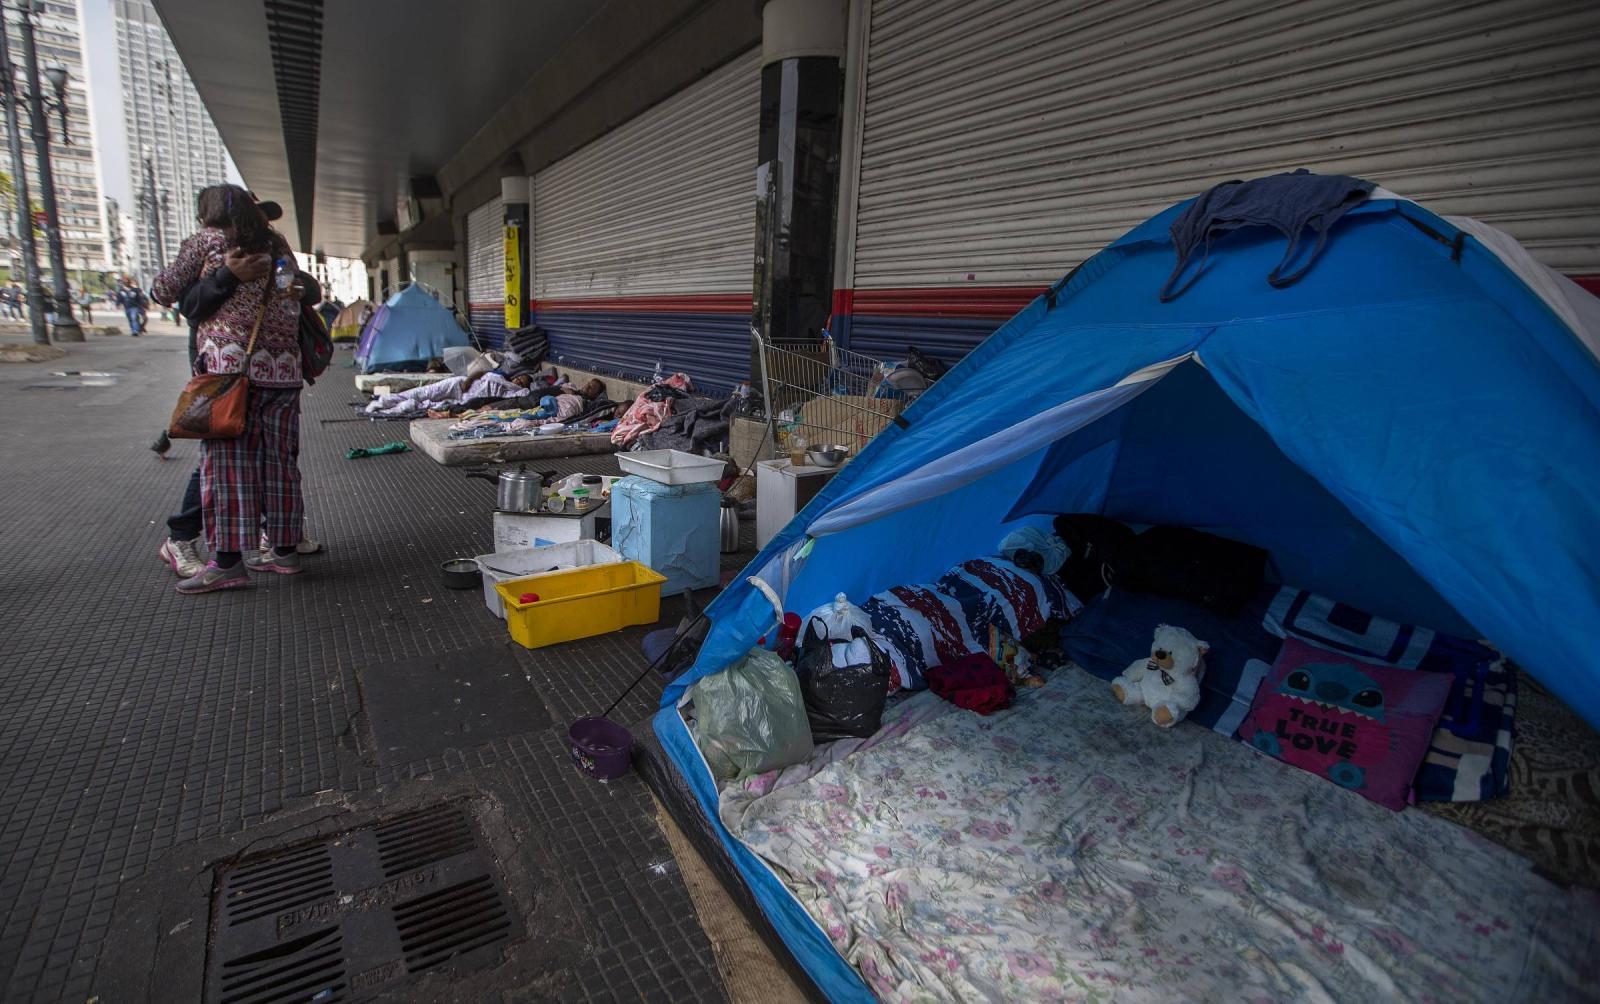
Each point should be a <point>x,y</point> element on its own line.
<point>15,302</point>
<point>134,304</point>
<point>86,304</point>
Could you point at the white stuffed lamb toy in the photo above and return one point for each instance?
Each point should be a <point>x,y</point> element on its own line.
<point>1168,682</point>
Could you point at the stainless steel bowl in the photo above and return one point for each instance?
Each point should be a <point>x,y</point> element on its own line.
<point>461,573</point>
<point>828,456</point>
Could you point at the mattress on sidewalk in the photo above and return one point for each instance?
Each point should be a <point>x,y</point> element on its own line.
<point>432,437</point>
<point>367,383</point>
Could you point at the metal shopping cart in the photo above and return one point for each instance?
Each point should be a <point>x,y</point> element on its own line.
<point>824,393</point>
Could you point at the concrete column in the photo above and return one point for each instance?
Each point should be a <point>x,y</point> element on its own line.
<point>797,174</point>
<point>516,193</point>
<point>437,270</point>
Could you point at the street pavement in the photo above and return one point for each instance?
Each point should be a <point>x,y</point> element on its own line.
<point>149,741</point>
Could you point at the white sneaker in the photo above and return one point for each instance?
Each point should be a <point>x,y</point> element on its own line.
<point>183,557</point>
<point>306,546</point>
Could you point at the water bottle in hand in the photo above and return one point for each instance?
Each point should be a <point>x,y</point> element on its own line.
<point>283,275</point>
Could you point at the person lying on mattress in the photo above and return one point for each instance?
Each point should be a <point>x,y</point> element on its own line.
<point>570,400</point>
<point>571,404</point>
<point>481,381</point>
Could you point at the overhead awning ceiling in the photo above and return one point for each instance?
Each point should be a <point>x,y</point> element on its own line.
<point>329,107</point>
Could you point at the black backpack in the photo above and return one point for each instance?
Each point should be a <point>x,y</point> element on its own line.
<point>316,345</point>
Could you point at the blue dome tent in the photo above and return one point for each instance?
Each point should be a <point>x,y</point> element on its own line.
<point>410,328</point>
<point>1414,428</point>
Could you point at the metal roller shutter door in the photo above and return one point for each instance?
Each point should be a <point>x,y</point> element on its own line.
<point>644,239</point>
<point>486,272</point>
<point>1004,141</point>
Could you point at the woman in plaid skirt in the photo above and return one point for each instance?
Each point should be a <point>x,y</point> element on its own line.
<point>253,481</point>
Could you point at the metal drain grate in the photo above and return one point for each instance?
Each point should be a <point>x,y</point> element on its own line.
<point>441,925</point>
<point>423,838</point>
<point>297,970</point>
<point>295,879</point>
<point>348,916</point>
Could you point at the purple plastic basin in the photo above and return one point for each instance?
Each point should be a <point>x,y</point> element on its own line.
<point>600,747</point>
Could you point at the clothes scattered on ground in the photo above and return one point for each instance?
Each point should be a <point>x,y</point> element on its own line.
<point>529,345</point>
<point>650,409</point>
<point>502,422</point>
<point>694,426</point>
<point>357,452</point>
<point>497,423</point>
<point>975,682</point>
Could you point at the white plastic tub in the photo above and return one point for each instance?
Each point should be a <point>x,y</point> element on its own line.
<point>671,467</point>
<point>504,565</point>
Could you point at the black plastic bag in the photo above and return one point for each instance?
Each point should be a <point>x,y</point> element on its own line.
<point>1099,545</point>
<point>931,367</point>
<point>842,702</point>
<point>1179,561</point>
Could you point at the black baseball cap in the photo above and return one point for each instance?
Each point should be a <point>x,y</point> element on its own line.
<point>271,210</point>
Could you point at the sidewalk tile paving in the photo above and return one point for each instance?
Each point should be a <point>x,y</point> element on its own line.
<point>135,722</point>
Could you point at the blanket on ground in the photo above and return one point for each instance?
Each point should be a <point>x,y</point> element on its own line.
<point>1063,849</point>
<point>692,427</point>
<point>650,409</point>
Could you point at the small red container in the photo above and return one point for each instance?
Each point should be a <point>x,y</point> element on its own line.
<point>788,634</point>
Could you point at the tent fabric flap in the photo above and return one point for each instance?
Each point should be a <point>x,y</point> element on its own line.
<point>1413,428</point>
<point>971,462</point>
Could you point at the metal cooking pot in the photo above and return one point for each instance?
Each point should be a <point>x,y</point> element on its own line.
<point>516,491</point>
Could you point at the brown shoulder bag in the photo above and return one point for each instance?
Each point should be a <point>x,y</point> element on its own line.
<point>212,405</point>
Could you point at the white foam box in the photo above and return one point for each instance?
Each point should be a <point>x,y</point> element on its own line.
<point>503,565</point>
<point>517,530</point>
<point>670,528</point>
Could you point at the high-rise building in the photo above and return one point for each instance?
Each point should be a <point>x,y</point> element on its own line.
<point>59,40</point>
<point>119,239</point>
<point>173,146</point>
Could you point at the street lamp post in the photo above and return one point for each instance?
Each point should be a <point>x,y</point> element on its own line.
<point>66,327</point>
<point>153,210</point>
<point>30,256</point>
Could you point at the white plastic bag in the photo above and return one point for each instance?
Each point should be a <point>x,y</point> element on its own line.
<point>459,358</point>
<point>839,617</point>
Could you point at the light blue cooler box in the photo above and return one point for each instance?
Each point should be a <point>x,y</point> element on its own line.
<point>670,528</point>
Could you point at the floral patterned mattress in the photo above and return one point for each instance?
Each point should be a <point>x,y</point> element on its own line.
<point>1067,849</point>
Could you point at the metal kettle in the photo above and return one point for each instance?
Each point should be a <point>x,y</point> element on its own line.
<point>518,490</point>
<point>728,525</point>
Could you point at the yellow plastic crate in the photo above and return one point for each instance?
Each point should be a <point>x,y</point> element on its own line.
<point>581,602</point>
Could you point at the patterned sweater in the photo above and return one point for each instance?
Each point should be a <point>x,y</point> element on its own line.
<point>221,339</point>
